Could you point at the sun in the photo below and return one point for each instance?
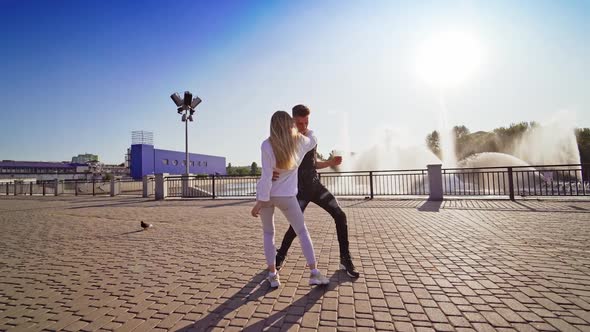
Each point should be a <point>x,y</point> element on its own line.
<point>449,58</point>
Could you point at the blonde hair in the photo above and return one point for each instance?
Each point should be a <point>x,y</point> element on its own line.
<point>283,139</point>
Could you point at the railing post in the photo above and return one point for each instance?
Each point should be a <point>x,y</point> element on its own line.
<point>186,192</point>
<point>511,183</point>
<point>146,186</point>
<point>371,184</point>
<point>43,187</point>
<point>114,187</point>
<point>161,188</point>
<point>75,187</point>
<point>58,185</point>
<point>7,189</point>
<point>435,183</point>
<point>93,181</point>
<point>213,185</point>
<point>15,188</point>
<point>30,188</point>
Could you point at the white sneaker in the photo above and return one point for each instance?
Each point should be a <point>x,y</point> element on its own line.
<point>318,279</point>
<point>274,280</point>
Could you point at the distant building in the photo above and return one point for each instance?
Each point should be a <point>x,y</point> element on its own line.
<point>146,160</point>
<point>10,169</point>
<point>84,158</point>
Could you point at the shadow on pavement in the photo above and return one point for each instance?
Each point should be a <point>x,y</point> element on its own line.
<point>110,204</point>
<point>256,288</point>
<point>345,205</point>
<point>243,202</point>
<point>525,206</point>
<point>430,206</point>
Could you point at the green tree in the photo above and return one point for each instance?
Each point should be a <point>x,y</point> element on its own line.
<point>433,143</point>
<point>508,136</point>
<point>477,142</point>
<point>460,131</point>
<point>254,169</point>
<point>242,171</point>
<point>502,139</point>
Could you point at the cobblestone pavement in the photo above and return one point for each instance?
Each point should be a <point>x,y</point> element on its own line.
<point>82,263</point>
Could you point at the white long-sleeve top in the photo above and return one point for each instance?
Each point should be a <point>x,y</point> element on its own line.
<point>286,184</point>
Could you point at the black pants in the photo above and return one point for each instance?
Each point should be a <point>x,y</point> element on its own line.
<point>319,195</point>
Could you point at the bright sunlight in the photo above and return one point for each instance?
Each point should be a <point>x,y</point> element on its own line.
<point>449,58</point>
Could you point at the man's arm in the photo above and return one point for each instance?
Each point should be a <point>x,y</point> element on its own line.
<point>318,165</point>
<point>334,161</point>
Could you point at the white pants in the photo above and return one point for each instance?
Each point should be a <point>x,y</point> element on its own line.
<point>292,211</point>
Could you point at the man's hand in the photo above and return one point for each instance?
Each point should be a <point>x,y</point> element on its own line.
<point>336,161</point>
<point>275,175</point>
<point>332,162</point>
<point>256,209</point>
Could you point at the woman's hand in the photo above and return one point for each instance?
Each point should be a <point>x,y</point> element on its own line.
<point>256,209</point>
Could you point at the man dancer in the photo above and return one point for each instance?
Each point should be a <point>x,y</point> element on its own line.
<point>311,190</point>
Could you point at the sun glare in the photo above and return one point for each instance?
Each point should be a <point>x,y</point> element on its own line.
<point>449,58</point>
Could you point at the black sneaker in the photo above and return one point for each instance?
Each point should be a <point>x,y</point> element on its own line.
<point>346,265</point>
<point>279,260</point>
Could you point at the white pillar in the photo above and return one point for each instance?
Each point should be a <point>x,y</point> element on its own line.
<point>185,186</point>
<point>147,185</point>
<point>115,186</point>
<point>161,187</point>
<point>58,187</point>
<point>435,182</point>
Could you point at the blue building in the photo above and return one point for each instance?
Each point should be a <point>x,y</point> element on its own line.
<point>145,160</point>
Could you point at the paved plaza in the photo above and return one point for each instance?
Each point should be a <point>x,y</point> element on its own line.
<point>83,263</point>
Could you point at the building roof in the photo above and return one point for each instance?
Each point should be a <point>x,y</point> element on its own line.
<point>38,164</point>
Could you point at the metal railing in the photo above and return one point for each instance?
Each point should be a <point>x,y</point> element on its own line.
<point>235,186</point>
<point>545,180</point>
<point>522,181</point>
<point>133,187</point>
<point>553,180</point>
<point>86,187</point>
<point>68,187</point>
<point>376,183</point>
<point>353,184</point>
<point>190,186</point>
<point>475,181</point>
<point>28,188</point>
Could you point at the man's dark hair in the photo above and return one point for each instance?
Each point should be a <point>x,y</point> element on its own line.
<point>300,110</point>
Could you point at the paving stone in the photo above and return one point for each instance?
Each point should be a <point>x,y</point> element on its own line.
<point>475,265</point>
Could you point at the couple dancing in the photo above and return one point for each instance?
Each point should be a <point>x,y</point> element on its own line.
<point>290,182</point>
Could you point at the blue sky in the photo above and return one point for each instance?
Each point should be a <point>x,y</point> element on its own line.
<point>79,76</point>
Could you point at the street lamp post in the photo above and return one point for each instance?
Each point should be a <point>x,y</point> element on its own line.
<point>186,107</point>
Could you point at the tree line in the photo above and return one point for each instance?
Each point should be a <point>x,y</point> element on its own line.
<point>253,170</point>
<point>500,140</point>
<point>467,143</point>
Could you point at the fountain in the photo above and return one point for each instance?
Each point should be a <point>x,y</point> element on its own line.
<point>553,143</point>
<point>540,145</point>
<point>445,61</point>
